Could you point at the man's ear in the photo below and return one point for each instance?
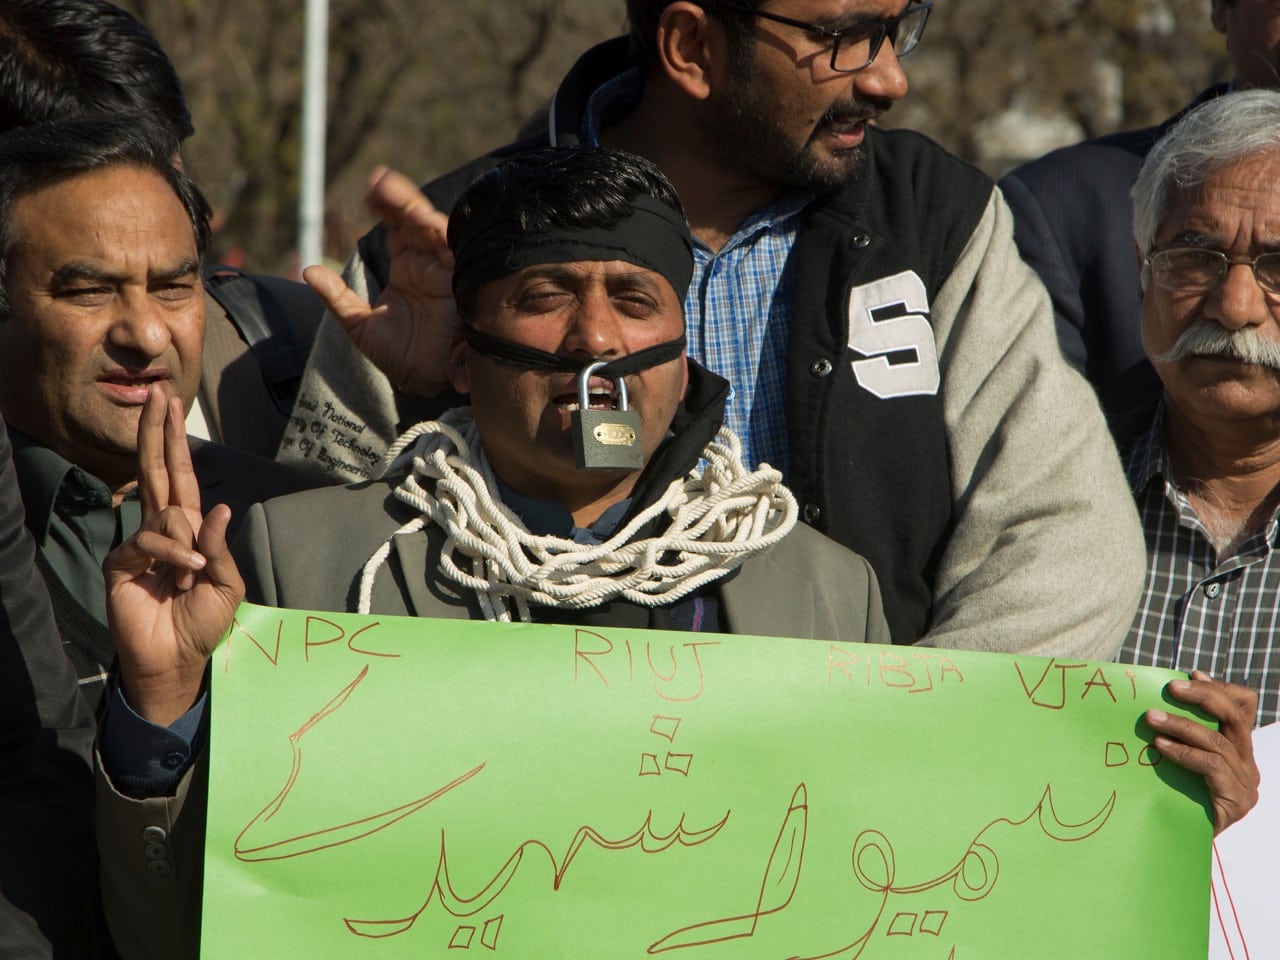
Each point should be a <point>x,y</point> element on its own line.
<point>458,377</point>
<point>687,44</point>
<point>684,376</point>
<point>1218,16</point>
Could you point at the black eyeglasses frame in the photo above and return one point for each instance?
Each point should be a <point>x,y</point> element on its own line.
<point>874,30</point>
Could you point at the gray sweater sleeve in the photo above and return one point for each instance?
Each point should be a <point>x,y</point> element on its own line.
<point>345,415</point>
<point>1047,556</point>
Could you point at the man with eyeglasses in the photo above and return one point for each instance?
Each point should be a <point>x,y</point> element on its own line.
<point>1072,215</point>
<point>887,346</point>
<point>1205,463</point>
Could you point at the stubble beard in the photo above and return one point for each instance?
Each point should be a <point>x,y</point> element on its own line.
<point>746,135</point>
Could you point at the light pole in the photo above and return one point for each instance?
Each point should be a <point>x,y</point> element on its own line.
<point>311,188</point>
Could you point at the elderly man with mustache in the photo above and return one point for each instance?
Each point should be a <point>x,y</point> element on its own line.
<point>1205,464</point>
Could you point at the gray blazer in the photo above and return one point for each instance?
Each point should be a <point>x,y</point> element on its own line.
<point>306,551</point>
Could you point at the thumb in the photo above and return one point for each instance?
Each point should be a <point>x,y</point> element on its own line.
<point>220,566</point>
<point>345,304</point>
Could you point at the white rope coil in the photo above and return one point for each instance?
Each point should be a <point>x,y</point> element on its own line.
<point>717,519</point>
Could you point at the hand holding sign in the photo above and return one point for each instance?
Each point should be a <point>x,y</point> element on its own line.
<point>1223,756</point>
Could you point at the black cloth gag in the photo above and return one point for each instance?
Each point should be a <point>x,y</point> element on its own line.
<point>518,355</point>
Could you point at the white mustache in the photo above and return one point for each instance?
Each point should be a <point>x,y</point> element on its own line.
<point>1208,339</point>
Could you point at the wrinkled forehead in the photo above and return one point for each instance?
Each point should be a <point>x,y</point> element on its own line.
<point>121,212</point>
<point>1236,202</point>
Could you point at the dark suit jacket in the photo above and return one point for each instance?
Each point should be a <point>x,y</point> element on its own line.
<point>241,479</point>
<point>306,552</point>
<point>1074,225</point>
<point>46,733</point>
<point>257,334</point>
<point>225,475</point>
<point>47,864</point>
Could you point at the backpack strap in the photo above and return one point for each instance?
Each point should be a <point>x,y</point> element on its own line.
<point>277,341</point>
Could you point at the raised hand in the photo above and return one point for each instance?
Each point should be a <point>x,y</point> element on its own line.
<point>1224,756</point>
<point>408,331</point>
<point>172,588</point>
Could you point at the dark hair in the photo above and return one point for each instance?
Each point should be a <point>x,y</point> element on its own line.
<point>575,187</point>
<point>35,157</point>
<point>67,59</point>
<point>643,16</point>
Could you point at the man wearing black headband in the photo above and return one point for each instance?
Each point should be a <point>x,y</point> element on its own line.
<point>888,349</point>
<point>564,258</point>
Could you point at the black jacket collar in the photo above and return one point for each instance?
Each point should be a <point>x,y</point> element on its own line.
<point>697,420</point>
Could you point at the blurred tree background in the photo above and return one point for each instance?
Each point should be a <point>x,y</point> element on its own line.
<point>1000,82</point>
<point>423,85</point>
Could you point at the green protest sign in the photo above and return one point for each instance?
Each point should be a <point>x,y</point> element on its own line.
<point>390,787</point>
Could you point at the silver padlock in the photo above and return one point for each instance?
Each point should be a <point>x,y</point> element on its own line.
<point>605,439</point>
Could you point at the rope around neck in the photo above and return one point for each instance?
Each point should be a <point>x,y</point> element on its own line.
<point>718,519</point>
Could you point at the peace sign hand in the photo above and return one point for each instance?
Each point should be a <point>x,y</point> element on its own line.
<point>172,587</point>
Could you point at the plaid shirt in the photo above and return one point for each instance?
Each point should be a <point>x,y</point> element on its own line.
<point>738,308</point>
<point>1200,611</point>
<point>736,318</point>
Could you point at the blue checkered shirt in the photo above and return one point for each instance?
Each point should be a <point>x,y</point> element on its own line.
<point>1199,611</point>
<point>736,318</point>
<point>738,308</point>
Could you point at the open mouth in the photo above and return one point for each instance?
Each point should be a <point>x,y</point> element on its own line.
<point>846,130</point>
<point>601,395</point>
<point>846,124</point>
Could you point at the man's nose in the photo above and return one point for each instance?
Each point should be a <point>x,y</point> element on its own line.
<point>884,76</point>
<point>594,330</point>
<point>140,325</point>
<point>1238,301</point>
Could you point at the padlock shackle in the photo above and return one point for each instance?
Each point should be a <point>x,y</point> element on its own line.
<point>584,393</point>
